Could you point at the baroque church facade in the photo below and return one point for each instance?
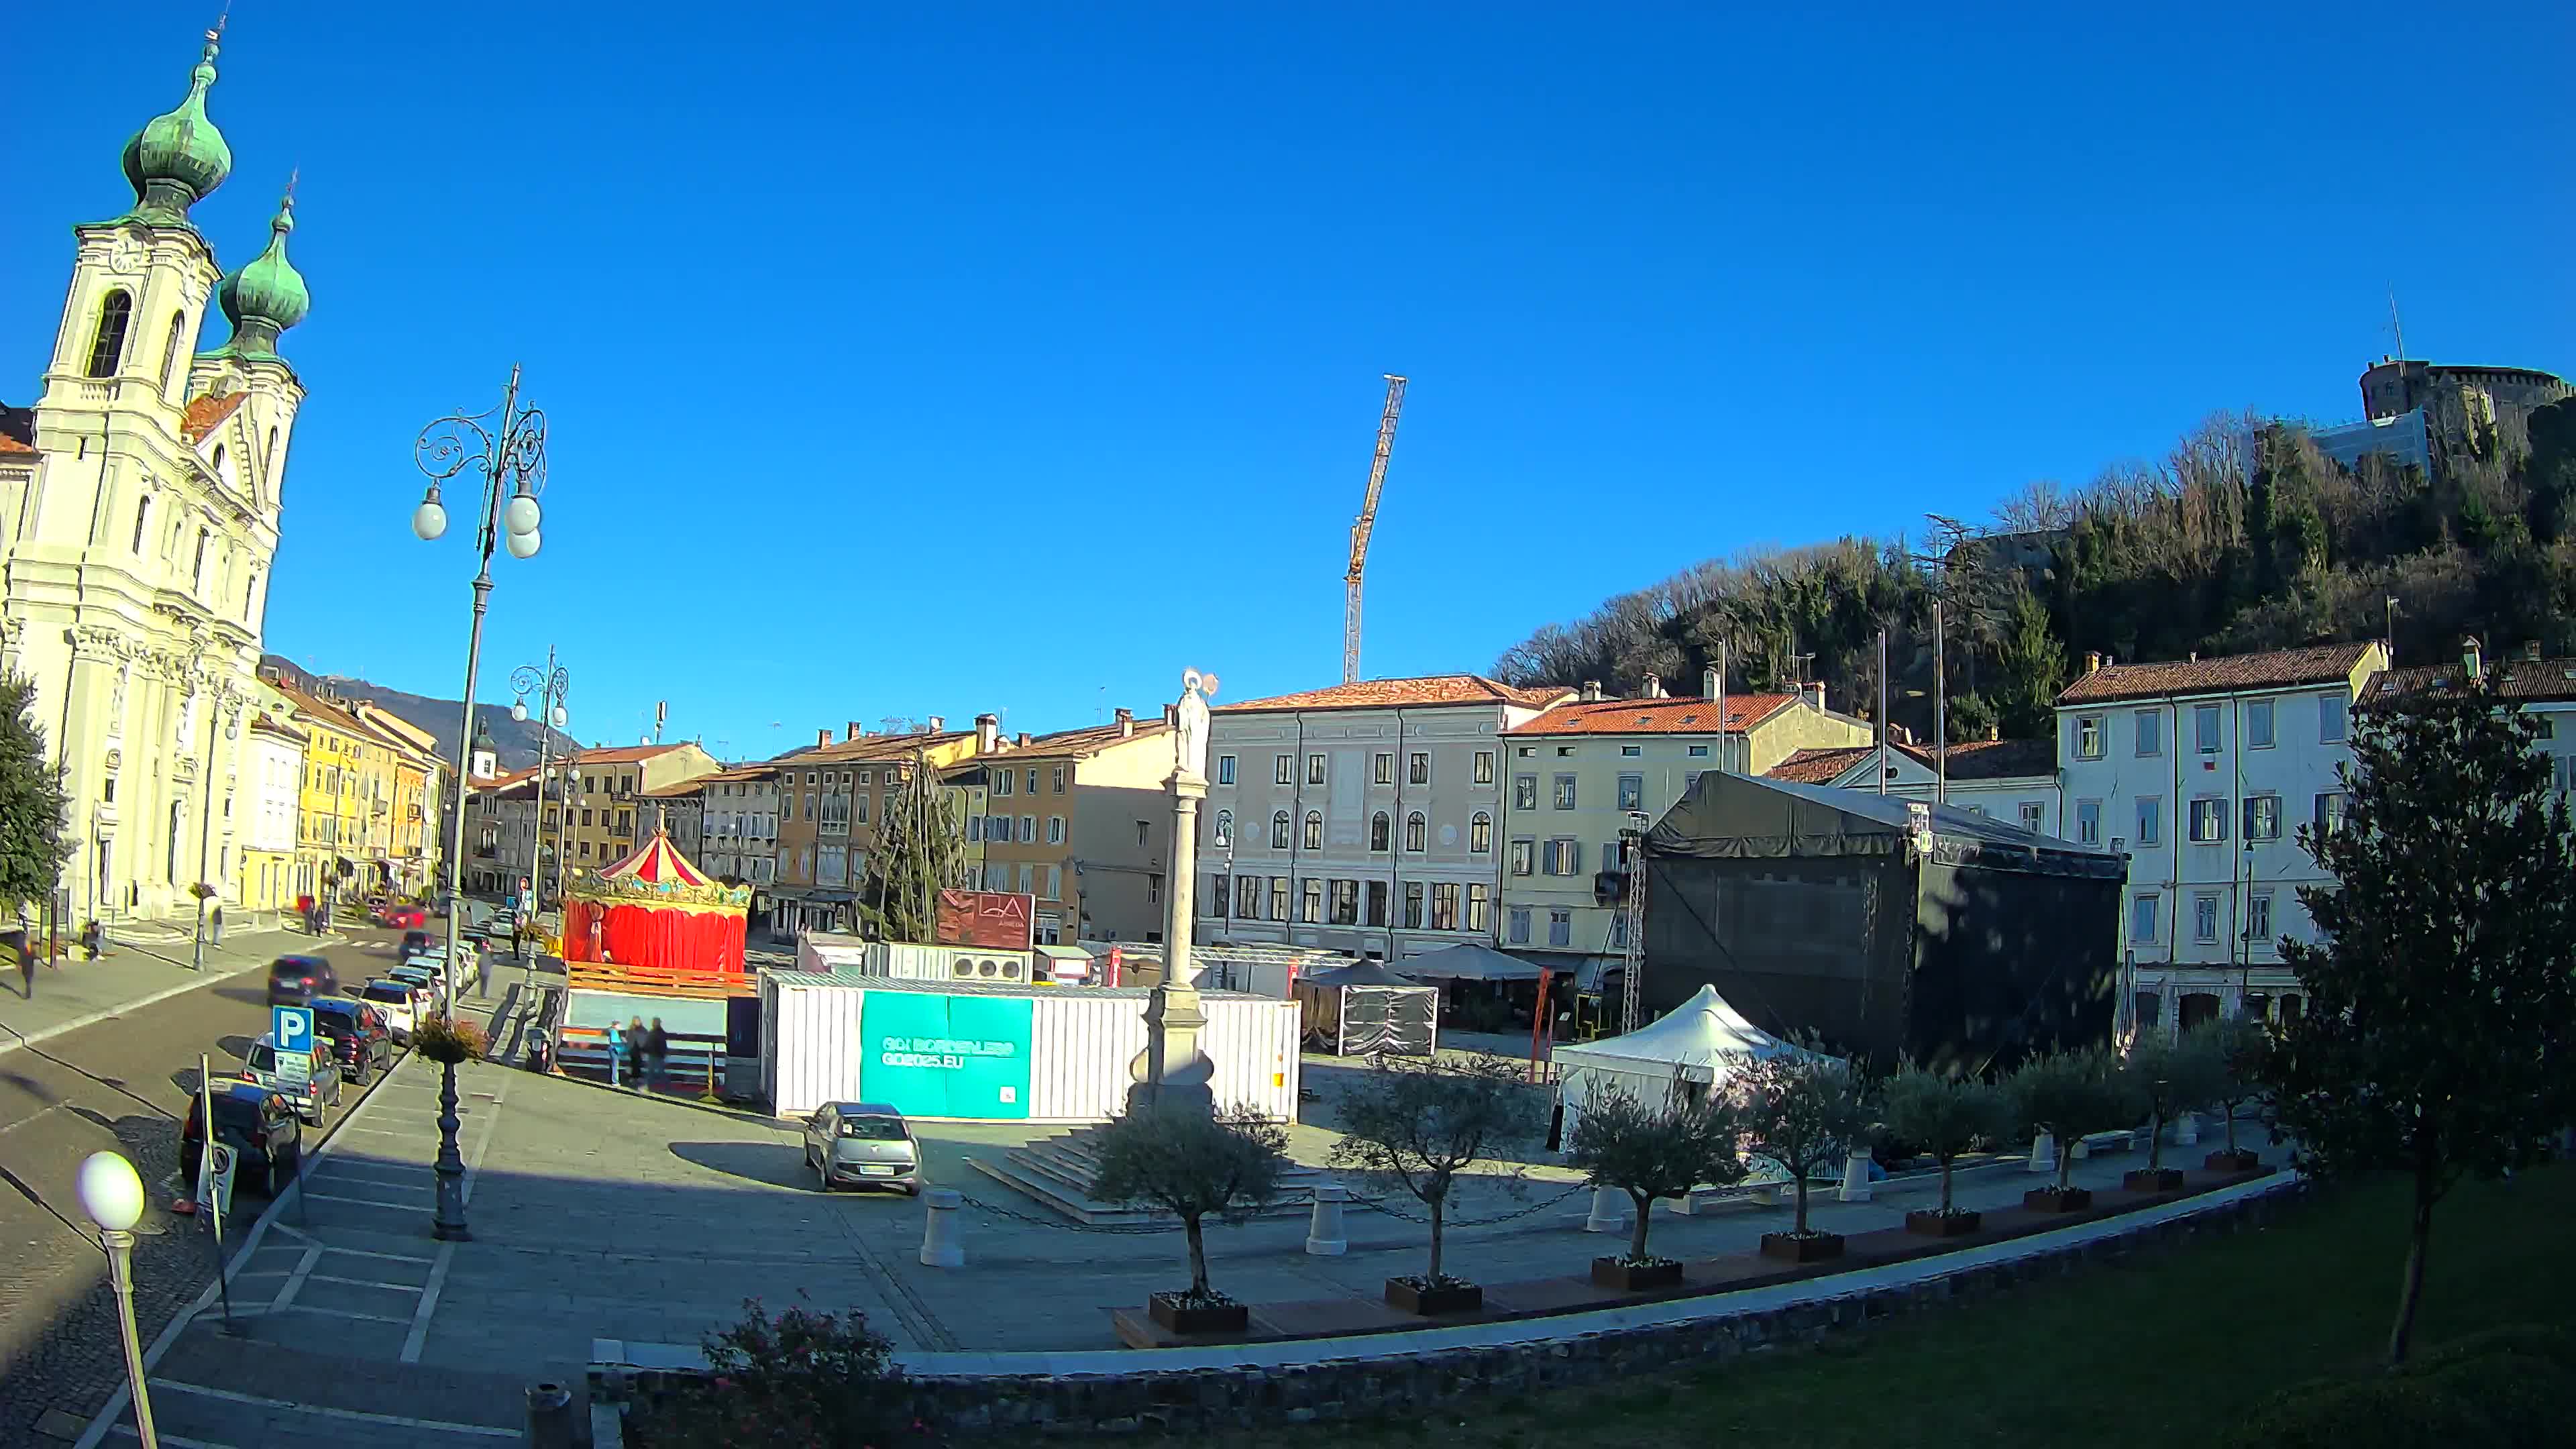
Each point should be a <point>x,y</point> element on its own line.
<point>139,506</point>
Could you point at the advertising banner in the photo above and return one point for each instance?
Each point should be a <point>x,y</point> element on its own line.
<point>946,1056</point>
<point>999,919</point>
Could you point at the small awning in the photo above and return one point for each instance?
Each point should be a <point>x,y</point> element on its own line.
<point>1466,962</point>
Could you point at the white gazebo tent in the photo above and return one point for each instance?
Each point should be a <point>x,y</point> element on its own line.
<point>1695,1044</point>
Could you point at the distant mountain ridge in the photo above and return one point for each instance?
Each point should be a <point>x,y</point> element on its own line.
<point>514,742</point>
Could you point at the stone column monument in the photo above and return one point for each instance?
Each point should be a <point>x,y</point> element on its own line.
<point>1173,1074</point>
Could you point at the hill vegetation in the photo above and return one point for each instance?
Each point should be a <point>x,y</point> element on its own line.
<point>2245,537</point>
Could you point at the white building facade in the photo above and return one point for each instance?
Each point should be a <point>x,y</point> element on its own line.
<point>139,507</point>
<point>1364,818</point>
<point>2202,772</point>
<point>2012,781</point>
<point>738,826</point>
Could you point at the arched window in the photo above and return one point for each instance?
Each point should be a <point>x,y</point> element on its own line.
<point>142,519</point>
<point>1314,830</point>
<point>1279,831</point>
<point>1225,827</point>
<point>219,463</point>
<point>197,570</point>
<point>170,379</point>
<point>1415,829</point>
<point>268,456</point>
<point>107,345</point>
<point>1480,833</point>
<point>1378,831</point>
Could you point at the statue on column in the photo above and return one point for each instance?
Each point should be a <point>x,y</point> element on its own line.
<point>1172,1073</point>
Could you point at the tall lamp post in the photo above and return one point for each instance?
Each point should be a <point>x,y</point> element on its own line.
<point>112,1194</point>
<point>506,448</point>
<point>549,684</point>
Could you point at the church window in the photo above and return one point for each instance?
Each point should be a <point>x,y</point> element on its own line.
<point>197,571</point>
<point>268,457</point>
<point>170,352</point>
<point>219,462</point>
<point>142,518</point>
<point>107,346</point>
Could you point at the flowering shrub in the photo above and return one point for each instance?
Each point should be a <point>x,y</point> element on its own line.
<point>799,1380</point>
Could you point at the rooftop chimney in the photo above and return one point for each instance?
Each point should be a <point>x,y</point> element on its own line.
<point>988,733</point>
<point>1708,684</point>
<point>2472,658</point>
<point>2092,661</point>
<point>2191,656</point>
<point>1815,693</point>
<point>822,737</point>
<point>1023,740</point>
<point>1126,723</point>
<point>854,731</point>
<point>1994,733</point>
<point>2531,651</point>
<point>938,725</point>
<point>1591,691</point>
<point>1172,715</point>
<point>1654,686</point>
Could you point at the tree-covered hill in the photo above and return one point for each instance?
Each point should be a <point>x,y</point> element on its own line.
<point>2245,537</point>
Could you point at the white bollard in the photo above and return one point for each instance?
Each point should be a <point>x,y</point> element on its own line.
<point>2083,1148</point>
<point>2043,1153</point>
<point>1325,1237</point>
<point>941,1245</point>
<point>1609,1211</point>
<point>2186,1129</point>
<point>1856,1178</point>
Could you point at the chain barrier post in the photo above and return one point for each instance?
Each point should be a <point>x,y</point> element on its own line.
<point>941,1244</point>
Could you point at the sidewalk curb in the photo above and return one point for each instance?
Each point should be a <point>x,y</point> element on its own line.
<point>28,1039</point>
<point>104,1421</point>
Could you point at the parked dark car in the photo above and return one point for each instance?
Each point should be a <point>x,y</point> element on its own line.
<point>360,1040</point>
<point>257,1124</point>
<point>412,942</point>
<point>299,980</point>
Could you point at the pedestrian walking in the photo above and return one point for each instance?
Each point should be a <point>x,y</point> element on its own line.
<point>26,965</point>
<point>90,938</point>
<point>657,1052</point>
<point>218,925</point>
<point>635,1051</point>
<point>616,1052</point>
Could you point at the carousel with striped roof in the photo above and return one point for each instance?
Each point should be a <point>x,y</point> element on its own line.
<point>654,914</point>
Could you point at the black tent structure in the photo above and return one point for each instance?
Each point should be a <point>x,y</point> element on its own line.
<point>1366,1010</point>
<point>1890,928</point>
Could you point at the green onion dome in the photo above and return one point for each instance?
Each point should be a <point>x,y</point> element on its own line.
<point>267,296</point>
<point>179,157</point>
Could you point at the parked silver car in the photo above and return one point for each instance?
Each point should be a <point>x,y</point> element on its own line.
<point>863,1144</point>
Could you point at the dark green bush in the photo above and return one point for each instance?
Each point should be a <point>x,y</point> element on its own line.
<point>2507,1386</point>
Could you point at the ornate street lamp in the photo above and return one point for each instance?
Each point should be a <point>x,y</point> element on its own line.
<point>112,1194</point>
<point>549,684</point>
<point>507,450</point>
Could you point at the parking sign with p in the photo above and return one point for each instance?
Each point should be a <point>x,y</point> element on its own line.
<point>291,1027</point>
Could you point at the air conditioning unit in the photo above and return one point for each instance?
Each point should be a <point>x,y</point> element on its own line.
<point>960,965</point>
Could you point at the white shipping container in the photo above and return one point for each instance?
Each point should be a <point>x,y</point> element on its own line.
<point>1083,1045</point>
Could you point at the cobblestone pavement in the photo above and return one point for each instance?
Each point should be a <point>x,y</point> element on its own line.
<point>119,1083</point>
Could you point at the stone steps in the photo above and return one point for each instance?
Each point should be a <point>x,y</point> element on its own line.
<point>1058,1172</point>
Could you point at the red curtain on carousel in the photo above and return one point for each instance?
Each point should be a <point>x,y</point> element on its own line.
<point>655,911</point>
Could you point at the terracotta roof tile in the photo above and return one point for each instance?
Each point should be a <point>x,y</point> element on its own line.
<point>1430,689</point>
<point>623,754</point>
<point>1991,759</point>
<point>2276,669</point>
<point>205,414</point>
<point>2525,679</point>
<point>1820,767</point>
<point>17,429</point>
<point>1082,743</point>
<point>870,747</point>
<point>1671,715</point>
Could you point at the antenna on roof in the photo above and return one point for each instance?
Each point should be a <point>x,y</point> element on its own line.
<point>2394,325</point>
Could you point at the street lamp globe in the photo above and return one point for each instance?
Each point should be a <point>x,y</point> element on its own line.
<point>560,717</point>
<point>519,710</point>
<point>110,1192</point>
<point>429,520</point>
<point>523,545</point>
<point>520,514</point>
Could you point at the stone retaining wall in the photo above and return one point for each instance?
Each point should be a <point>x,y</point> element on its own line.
<point>1389,1380</point>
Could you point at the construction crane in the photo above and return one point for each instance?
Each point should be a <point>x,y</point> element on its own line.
<point>1360,530</point>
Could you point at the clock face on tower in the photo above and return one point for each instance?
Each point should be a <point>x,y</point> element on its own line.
<point>125,255</point>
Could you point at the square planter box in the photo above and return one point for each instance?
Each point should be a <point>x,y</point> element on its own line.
<point>1932,1223</point>
<point>1790,1248</point>
<point>1428,1302</point>
<point>1168,1310</point>
<point>2241,1160</point>
<point>2054,1200</point>
<point>1618,1276</point>
<point>2152,1179</point>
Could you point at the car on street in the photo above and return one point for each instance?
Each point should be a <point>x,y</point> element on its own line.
<point>398,1003</point>
<point>359,1039</point>
<point>421,978</point>
<point>413,943</point>
<point>295,980</point>
<point>862,1144</point>
<point>399,916</point>
<point>257,1124</point>
<point>320,1090</point>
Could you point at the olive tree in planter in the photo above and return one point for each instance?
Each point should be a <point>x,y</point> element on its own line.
<point>2068,1095</point>
<point>1945,1116</point>
<point>2238,1054</point>
<point>1192,1165</point>
<point>2167,1078</point>
<point>1652,1150</point>
<point>1416,1128</point>
<point>1803,1112</point>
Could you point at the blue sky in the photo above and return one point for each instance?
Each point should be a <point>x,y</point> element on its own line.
<point>925,360</point>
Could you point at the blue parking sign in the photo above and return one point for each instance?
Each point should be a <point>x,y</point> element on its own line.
<point>292,1026</point>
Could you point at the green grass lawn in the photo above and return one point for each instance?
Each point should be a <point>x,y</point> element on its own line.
<point>2153,1352</point>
